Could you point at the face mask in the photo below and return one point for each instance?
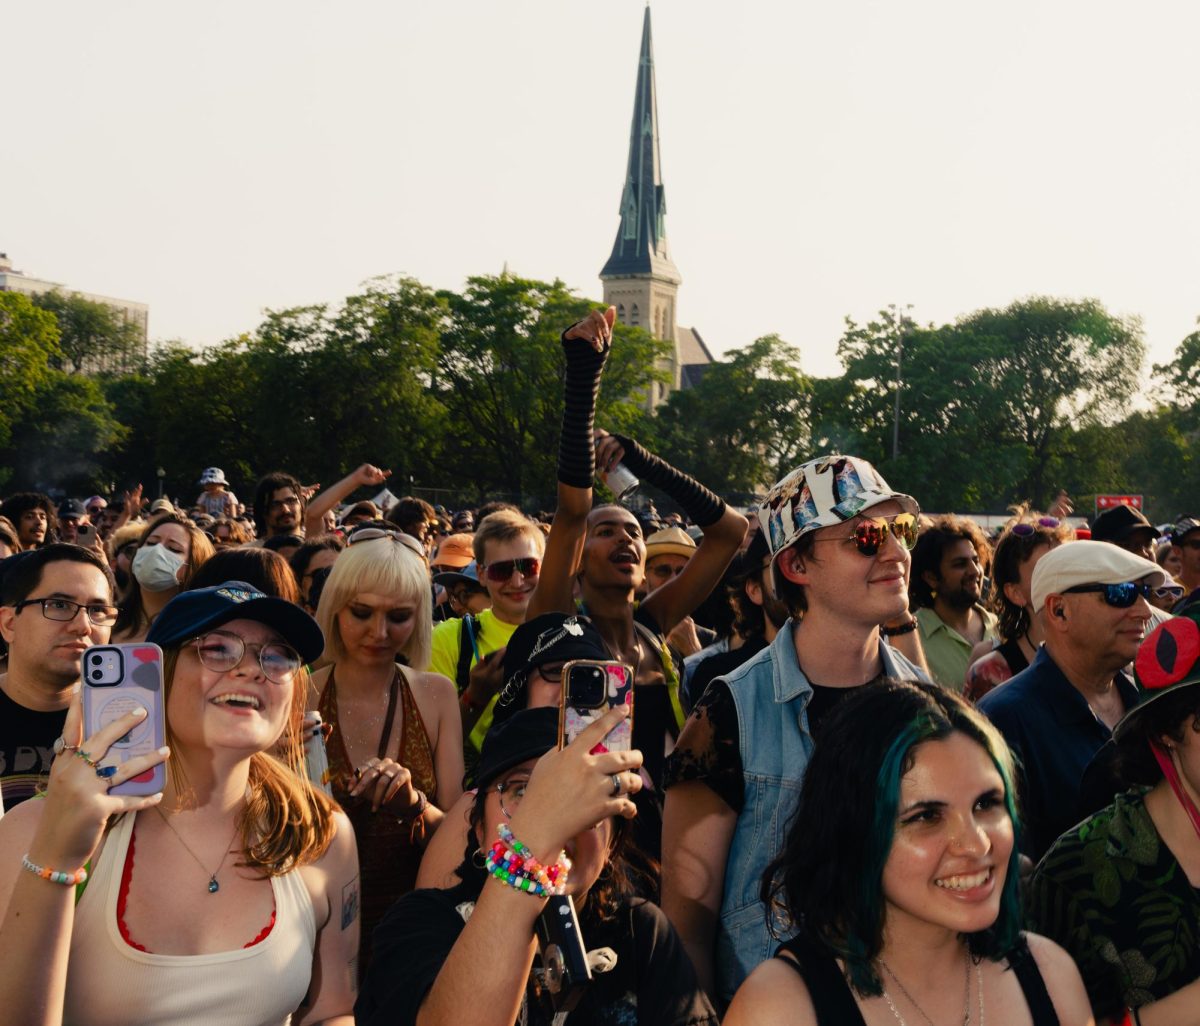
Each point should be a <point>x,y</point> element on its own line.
<point>156,567</point>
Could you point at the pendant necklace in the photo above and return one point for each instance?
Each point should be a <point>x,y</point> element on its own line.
<point>966,997</point>
<point>213,886</point>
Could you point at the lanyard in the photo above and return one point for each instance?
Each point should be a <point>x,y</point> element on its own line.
<point>1172,774</point>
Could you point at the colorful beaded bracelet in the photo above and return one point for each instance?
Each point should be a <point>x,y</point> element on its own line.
<point>511,862</point>
<point>69,879</point>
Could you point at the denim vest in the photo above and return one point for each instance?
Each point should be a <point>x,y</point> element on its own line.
<point>771,696</point>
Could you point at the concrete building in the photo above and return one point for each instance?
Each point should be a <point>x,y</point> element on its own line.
<point>640,278</point>
<point>137,314</point>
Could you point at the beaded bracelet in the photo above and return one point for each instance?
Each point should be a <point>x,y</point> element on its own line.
<point>511,862</point>
<point>416,810</point>
<point>69,879</point>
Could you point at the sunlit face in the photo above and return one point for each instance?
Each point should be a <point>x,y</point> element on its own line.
<point>238,709</point>
<point>614,552</point>
<point>587,850</point>
<point>510,597</point>
<point>68,529</point>
<point>32,527</point>
<point>952,842</point>
<point>1106,636</point>
<point>960,574</point>
<point>175,538</point>
<point>283,511</point>
<point>375,628</point>
<point>839,581</point>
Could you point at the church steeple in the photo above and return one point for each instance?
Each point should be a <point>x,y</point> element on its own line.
<point>640,249</point>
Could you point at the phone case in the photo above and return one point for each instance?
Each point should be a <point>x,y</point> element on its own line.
<point>116,679</point>
<point>573,719</point>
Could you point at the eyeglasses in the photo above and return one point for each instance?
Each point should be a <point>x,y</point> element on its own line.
<point>871,533</point>
<point>64,610</point>
<point>1120,596</point>
<point>502,570</point>
<point>221,652</point>
<point>664,570</point>
<point>551,672</point>
<point>511,792</point>
<point>1024,529</point>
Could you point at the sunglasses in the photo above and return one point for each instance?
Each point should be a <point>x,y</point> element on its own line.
<point>1025,529</point>
<point>502,570</point>
<point>871,533</point>
<point>1120,596</point>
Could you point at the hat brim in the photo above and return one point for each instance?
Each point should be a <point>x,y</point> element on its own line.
<point>534,736</point>
<point>289,621</point>
<point>670,549</point>
<point>447,578</point>
<point>1148,698</point>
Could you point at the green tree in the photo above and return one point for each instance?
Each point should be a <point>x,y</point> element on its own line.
<point>93,336</point>
<point>28,344</point>
<point>745,423</point>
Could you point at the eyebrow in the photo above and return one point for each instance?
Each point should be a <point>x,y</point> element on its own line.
<point>70,597</point>
<point>921,805</point>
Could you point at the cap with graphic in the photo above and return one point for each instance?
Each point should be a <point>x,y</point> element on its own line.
<point>1184,525</point>
<point>213,475</point>
<point>821,493</point>
<point>192,613</point>
<point>1169,659</point>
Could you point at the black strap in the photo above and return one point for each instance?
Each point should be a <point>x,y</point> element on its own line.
<point>389,715</point>
<point>466,652</point>
<point>1041,1008</point>
<point>1013,655</point>
<point>827,987</point>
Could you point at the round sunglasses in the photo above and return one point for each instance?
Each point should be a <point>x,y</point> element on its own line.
<point>871,533</point>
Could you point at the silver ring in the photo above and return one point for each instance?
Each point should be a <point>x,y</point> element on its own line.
<point>616,781</point>
<point>60,746</point>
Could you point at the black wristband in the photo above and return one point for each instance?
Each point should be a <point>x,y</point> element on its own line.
<point>576,447</point>
<point>904,628</point>
<point>701,506</point>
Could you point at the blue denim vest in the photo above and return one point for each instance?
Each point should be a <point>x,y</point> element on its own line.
<point>771,696</point>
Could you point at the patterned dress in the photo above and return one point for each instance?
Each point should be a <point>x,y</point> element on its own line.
<point>388,853</point>
<point>1112,894</point>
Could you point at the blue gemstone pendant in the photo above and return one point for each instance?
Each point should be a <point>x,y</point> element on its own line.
<point>213,886</point>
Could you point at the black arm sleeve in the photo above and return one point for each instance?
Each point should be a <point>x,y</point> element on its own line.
<point>701,506</point>
<point>576,452</point>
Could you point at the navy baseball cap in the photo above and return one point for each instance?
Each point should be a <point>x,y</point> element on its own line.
<point>192,613</point>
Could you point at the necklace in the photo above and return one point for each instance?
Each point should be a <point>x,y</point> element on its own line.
<point>966,996</point>
<point>213,886</point>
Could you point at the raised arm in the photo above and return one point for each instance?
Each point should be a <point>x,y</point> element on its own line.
<point>586,346</point>
<point>724,528</point>
<point>331,496</point>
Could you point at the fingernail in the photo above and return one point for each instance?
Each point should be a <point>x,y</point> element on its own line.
<point>164,750</point>
<point>138,711</point>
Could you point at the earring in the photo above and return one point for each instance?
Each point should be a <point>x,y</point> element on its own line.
<point>478,859</point>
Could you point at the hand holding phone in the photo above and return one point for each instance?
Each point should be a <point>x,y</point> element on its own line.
<point>116,680</point>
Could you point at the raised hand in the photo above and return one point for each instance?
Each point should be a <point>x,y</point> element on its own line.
<point>595,329</point>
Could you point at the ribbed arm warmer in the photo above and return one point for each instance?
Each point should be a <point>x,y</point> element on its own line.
<point>701,506</point>
<point>576,447</point>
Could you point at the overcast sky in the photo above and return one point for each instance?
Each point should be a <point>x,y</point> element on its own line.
<point>820,159</point>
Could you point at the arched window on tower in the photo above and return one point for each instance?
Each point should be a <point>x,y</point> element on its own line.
<point>633,316</point>
<point>621,312</point>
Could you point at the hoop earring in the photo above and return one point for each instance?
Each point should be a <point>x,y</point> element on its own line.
<point>478,859</point>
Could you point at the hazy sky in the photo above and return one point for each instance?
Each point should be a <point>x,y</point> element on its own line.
<point>820,159</point>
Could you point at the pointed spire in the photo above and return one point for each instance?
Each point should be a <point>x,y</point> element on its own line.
<point>641,244</point>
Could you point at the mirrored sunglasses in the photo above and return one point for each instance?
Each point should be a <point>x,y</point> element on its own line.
<point>871,533</point>
<point>503,569</point>
<point>1025,528</point>
<point>1120,596</point>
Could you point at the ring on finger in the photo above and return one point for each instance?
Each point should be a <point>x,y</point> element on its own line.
<point>60,746</point>
<point>616,783</point>
<point>105,772</point>
<point>86,757</point>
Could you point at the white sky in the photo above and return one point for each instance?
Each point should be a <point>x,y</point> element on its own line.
<point>820,159</point>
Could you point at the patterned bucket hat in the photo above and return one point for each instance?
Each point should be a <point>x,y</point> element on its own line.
<point>821,493</point>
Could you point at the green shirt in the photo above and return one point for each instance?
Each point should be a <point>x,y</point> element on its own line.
<point>492,633</point>
<point>947,652</point>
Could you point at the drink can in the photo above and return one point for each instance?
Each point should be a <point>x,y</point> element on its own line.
<point>621,482</point>
<point>316,761</point>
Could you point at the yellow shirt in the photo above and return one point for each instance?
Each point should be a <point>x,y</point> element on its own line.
<point>491,633</point>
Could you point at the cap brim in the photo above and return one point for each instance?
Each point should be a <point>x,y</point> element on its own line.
<point>289,621</point>
<point>449,577</point>
<point>670,549</point>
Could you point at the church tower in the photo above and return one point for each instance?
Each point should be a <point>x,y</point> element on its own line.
<point>640,279</point>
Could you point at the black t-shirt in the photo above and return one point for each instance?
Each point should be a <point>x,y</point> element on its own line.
<point>722,663</point>
<point>651,984</point>
<point>26,749</point>
<point>708,747</point>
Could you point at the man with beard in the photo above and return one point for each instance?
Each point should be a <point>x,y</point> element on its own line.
<point>948,566</point>
<point>279,506</point>
<point>34,517</point>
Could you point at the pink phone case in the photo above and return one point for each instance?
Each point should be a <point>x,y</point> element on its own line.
<point>116,679</point>
<point>573,720</point>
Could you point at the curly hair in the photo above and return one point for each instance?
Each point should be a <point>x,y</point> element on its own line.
<point>941,533</point>
<point>1012,551</point>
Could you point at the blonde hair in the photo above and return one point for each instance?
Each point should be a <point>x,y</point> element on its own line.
<point>382,566</point>
<point>286,822</point>
<point>503,526</point>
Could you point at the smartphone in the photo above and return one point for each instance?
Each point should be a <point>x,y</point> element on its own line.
<point>85,535</point>
<point>590,688</point>
<point>565,970</point>
<point>117,679</point>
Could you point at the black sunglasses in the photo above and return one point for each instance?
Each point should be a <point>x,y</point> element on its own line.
<point>1120,596</point>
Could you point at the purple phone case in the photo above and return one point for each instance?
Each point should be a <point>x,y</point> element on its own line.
<point>141,684</point>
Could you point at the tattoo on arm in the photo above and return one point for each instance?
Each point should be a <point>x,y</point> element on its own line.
<point>350,903</point>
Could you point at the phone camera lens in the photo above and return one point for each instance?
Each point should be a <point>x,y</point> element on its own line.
<point>96,660</point>
<point>97,674</point>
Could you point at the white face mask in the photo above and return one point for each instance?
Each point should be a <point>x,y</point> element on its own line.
<point>156,567</point>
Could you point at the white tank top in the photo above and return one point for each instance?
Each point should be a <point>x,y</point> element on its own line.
<point>111,984</point>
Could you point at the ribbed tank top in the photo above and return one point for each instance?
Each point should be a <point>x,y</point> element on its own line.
<point>111,984</point>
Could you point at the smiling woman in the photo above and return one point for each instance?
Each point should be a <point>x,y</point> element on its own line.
<point>904,904</point>
<point>395,747</point>
<point>235,907</point>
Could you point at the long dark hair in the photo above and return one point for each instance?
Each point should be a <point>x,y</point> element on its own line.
<point>1012,550</point>
<point>827,882</point>
<point>1169,715</point>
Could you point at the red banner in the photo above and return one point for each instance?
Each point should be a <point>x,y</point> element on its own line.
<point>1104,502</point>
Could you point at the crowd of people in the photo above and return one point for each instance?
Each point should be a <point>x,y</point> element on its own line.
<point>879,758</point>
